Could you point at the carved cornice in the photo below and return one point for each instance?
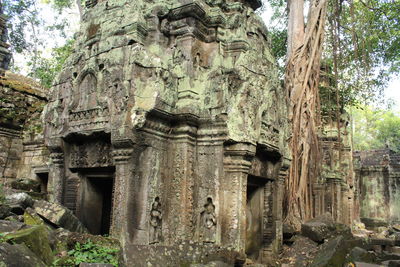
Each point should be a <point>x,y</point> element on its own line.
<point>235,46</point>
<point>238,157</point>
<point>10,132</point>
<point>89,114</point>
<point>189,10</point>
<point>57,158</point>
<point>121,156</point>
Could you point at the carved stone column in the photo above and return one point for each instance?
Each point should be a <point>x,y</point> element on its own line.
<point>237,163</point>
<point>181,226</point>
<point>121,158</point>
<point>337,200</point>
<point>344,207</point>
<point>278,203</point>
<point>318,199</point>
<point>56,176</point>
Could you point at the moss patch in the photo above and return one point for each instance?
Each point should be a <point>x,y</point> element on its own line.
<point>36,239</point>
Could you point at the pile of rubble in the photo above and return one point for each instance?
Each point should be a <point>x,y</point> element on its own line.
<point>36,232</point>
<point>322,242</point>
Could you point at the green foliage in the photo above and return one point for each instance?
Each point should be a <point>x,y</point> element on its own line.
<point>47,68</point>
<point>28,34</point>
<point>366,37</point>
<point>89,253</point>
<point>22,15</point>
<point>59,4</point>
<point>277,27</point>
<point>375,129</point>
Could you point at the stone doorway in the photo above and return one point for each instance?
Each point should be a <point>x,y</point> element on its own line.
<point>257,199</point>
<point>96,203</point>
<point>44,180</point>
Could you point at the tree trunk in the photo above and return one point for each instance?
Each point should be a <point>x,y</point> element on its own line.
<point>301,81</point>
<point>80,8</point>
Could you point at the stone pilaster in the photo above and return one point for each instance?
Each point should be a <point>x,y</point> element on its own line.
<point>237,163</point>
<point>319,202</point>
<point>337,200</point>
<point>182,184</point>
<point>278,207</point>
<point>345,204</point>
<point>121,158</point>
<point>56,176</point>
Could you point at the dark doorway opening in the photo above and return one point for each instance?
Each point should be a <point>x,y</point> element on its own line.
<point>44,180</point>
<point>97,204</point>
<point>256,216</point>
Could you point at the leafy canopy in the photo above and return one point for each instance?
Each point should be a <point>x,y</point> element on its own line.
<point>29,33</point>
<point>376,128</point>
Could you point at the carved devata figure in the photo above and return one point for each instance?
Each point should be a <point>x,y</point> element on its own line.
<point>208,222</point>
<point>155,222</point>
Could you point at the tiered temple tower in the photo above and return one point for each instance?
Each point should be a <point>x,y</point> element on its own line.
<point>168,125</point>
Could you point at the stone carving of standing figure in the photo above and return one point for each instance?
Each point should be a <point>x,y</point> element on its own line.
<point>155,222</point>
<point>208,222</point>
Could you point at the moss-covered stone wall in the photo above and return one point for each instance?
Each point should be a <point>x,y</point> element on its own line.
<point>21,104</point>
<point>378,173</point>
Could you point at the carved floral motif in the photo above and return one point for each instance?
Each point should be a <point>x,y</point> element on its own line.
<point>91,154</point>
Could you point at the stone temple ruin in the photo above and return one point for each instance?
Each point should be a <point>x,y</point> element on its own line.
<point>169,124</point>
<point>378,174</point>
<point>336,191</point>
<point>168,129</point>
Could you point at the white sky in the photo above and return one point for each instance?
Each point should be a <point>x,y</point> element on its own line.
<point>392,91</point>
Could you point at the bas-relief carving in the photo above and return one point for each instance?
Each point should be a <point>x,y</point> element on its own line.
<point>91,154</point>
<point>155,224</point>
<point>208,222</point>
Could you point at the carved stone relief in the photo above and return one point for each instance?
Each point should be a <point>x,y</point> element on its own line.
<point>91,154</point>
<point>155,231</point>
<point>208,222</point>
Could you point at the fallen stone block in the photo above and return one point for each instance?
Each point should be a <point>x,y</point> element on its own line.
<point>36,239</point>
<point>318,228</point>
<point>26,185</point>
<point>32,218</point>
<point>360,255</point>
<point>381,242</point>
<point>332,253</point>
<point>5,211</point>
<point>10,226</point>
<point>18,202</point>
<point>18,255</point>
<point>59,216</point>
